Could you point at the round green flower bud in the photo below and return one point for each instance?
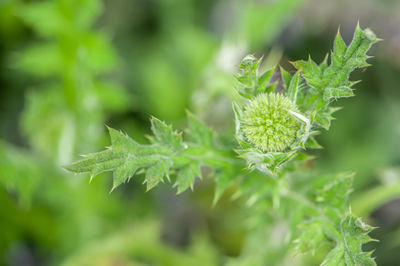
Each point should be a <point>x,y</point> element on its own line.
<point>268,123</point>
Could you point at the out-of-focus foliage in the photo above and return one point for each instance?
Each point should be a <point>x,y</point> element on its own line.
<point>63,114</point>
<point>183,45</point>
<point>65,110</point>
<point>19,172</point>
<point>69,67</point>
<point>140,245</point>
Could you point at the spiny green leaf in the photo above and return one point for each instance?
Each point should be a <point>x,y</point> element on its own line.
<point>167,151</point>
<point>186,176</point>
<point>155,173</point>
<point>343,61</point>
<point>339,48</point>
<point>124,158</point>
<point>311,72</point>
<point>347,231</point>
<point>165,134</point>
<point>332,223</point>
<point>336,93</point>
<point>330,82</point>
<point>348,251</point>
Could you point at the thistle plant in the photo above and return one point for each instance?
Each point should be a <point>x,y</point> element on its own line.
<point>277,120</point>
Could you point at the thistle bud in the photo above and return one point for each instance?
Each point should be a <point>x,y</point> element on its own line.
<point>268,122</point>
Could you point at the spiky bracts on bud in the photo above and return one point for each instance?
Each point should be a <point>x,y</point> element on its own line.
<point>268,122</point>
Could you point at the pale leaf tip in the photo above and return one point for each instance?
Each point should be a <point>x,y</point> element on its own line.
<point>150,186</point>
<point>65,168</point>
<point>358,24</point>
<point>113,188</point>
<point>338,31</point>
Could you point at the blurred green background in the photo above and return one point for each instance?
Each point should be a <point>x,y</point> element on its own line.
<point>69,67</point>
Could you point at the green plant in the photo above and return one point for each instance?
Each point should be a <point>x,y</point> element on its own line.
<point>68,95</point>
<point>65,108</point>
<point>276,124</point>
